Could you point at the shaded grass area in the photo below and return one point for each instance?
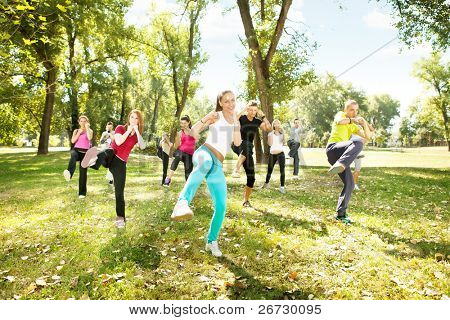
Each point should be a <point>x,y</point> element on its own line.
<point>56,246</point>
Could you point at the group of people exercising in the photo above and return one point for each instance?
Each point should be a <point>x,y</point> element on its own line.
<point>226,130</point>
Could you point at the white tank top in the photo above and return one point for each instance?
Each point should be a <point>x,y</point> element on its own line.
<point>277,143</point>
<point>220,135</point>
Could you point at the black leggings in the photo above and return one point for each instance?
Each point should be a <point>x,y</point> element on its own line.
<point>118,168</point>
<point>186,158</point>
<point>165,160</point>
<point>273,158</point>
<point>78,155</point>
<point>246,149</point>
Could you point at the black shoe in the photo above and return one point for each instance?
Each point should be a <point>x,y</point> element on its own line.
<point>247,204</point>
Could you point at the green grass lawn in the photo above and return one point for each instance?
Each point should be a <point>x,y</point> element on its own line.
<point>56,246</point>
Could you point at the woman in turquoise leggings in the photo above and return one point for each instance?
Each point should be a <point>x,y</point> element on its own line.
<point>224,129</point>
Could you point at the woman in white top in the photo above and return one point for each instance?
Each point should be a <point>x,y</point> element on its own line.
<point>224,129</point>
<point>276,141</point>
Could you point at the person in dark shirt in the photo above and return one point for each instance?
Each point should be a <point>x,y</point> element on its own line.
<point>251,119</point>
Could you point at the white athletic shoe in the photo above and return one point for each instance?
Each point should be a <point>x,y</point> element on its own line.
<point>182,212</point>
<point>109,176</point>
<point>235,174</point>
<point>356,188</point>
<point>66,175</point>
<point>89,158</point>
<point>81,196</point>
<point>283,190</point>
<point>214,248</point>
<point>336,168</point>
<point>265,185</point>
<point>120,222</point>
<point>295,177</point>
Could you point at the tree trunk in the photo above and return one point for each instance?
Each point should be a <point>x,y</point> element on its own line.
<point>48,108</point>
<point>261,66</point>
<point>123,105</point>
<point>445,118</point>
<point>73,90</point>
<point>155,114</point>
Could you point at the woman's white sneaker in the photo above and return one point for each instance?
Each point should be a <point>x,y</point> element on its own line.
<point>89,158</point>
<point>66,175</point>
<point>214,248</point>
<point>182,212</point>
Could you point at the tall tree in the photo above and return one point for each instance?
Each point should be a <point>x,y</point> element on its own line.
<point>36,27</point>
<point>275,66</point>
<point>435,74</point>
<point>422,21</point>
<point>179,45</point>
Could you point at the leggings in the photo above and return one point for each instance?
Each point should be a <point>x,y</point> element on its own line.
<point>345,153</point>
<point>246,149</point>
<point>78,155</point>
<point>165,160</point>
<point>206,165</point>
<point>273,158</point>
<point>118,168</point>
<point>293,153</point>
<point>186,158</point>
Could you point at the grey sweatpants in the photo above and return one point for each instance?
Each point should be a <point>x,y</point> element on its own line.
<point>345,152</point>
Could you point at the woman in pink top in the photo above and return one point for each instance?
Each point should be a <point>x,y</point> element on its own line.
<point>115,158</point>
<point>185,147</point>
<point>81,138</point>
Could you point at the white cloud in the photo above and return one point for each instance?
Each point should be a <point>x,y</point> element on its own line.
<point>378,20</point>
<point>220,26</point>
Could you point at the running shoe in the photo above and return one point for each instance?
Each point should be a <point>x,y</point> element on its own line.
<point>66,175</point>
<point>214,248</point>
<point>89,158</point>
<point>182,212</point>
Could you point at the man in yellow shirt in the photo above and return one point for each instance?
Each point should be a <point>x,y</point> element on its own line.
<point>341,151</point>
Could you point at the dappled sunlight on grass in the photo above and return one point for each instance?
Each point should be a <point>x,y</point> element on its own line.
<point>288,246</point>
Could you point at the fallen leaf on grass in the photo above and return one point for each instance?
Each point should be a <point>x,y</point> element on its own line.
<point>439,275</point>
<point>24,258</point>
<point>293,275</point>
<point>31,288</point>
<point>203,279</point>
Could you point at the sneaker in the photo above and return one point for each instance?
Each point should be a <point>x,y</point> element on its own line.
<point>336,168</point>
<point>344,220</point>
<point>214,248</point>
<point>182,212</point>
<point>283,190</point>
<point>167,182</point>
<point>356,188</point>
<point>235,174</point>
<point>247,204</point>
<point>120,222</point>
<point>66,175</point>
<point>295,177</point>
<point>265,185</point>
<point>89,158</point>
<point>81,196</point>
<point>109,176</point>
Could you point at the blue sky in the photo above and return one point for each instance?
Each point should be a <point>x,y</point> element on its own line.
<point>343,36</point>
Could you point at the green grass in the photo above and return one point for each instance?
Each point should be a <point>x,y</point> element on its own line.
<point>288,247</point>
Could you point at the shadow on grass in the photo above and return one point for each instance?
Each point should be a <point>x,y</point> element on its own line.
<point>284,224</point>
<point>420,249</point>
<point>122,250</point>
<point>248,287</point>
